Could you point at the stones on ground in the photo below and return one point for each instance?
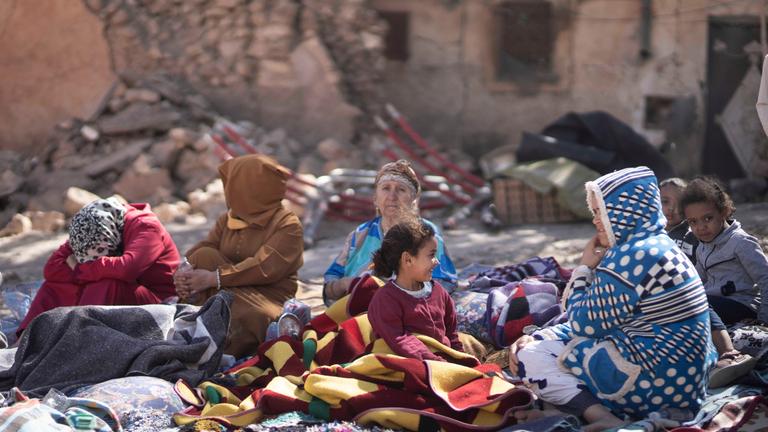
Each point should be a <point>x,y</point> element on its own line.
<point>141,95</point>
<point>47,222</point>
<point>10,182</point>
<point>18,224</point>
<point>195,170</point>
<point>119,158</point>
<point>144,183</point>
<point>172,212</point>
<point>139,117</point>
<point>162,153</point>
<point>90,133</point>
<point>75,199</point>
<point>209,201</point>
<point>299,63</point>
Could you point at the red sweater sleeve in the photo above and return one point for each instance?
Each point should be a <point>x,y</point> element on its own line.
<point>56,268</point>
<point>386,316</point>
<point>450,322</point>
<point>143,245</point>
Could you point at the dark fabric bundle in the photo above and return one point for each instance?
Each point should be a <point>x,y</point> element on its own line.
<point>69,347</point>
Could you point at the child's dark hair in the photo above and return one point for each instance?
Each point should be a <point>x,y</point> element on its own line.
<point>707,189</point>
<point>404,237</point>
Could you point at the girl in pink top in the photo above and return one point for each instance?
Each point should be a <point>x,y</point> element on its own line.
<point>411,302</point>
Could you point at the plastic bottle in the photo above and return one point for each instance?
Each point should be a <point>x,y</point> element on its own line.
<point>289,325</point>
<point>186,266</point>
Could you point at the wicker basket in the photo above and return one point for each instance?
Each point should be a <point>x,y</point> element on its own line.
<point>518,203</point>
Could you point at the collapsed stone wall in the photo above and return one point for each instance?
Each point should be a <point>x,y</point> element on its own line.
<point>151,141</point>
<point>313,64</point>
<point>300,76</point>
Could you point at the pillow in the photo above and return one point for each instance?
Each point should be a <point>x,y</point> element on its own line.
<point>470,313</point>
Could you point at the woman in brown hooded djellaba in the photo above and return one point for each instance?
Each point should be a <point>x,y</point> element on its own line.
<point>254,251</point>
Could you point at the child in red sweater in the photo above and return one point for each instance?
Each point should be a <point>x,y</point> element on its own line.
<point>411,302</point>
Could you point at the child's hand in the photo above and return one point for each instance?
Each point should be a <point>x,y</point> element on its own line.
<point>593,253</point>
<point>513,350</point>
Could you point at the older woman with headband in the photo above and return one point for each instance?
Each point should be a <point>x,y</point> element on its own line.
<point>116,254</point>
<point>395,198</point>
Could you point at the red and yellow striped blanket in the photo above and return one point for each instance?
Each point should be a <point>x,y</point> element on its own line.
<point>340,371</point>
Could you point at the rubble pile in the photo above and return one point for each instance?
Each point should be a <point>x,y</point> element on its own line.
<point>276,59</point>
<point>148,142</point>
<point>309,65</point>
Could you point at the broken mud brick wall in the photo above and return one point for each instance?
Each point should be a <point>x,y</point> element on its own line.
<point>312,65</point>
<point>301,77</point>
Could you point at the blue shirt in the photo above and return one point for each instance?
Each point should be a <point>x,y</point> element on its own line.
<point>366,239</point>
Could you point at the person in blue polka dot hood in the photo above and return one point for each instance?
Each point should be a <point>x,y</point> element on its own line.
<point>637,339</point>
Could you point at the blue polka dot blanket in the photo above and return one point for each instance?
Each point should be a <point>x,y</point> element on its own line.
<point>638,331</point>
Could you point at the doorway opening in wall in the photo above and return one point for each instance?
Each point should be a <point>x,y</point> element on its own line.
<point>524,40</point>
<point>396,40</point>
<point>733,66</point>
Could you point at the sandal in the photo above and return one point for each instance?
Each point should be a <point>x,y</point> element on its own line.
<point>730,366</point>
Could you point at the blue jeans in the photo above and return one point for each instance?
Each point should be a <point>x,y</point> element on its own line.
<point>729,310</point>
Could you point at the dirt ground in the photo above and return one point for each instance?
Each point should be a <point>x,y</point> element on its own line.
<point>22,257</point>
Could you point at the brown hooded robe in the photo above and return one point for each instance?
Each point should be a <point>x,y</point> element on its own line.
<point>257,247</point>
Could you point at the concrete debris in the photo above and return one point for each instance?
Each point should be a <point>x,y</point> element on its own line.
<point>162,153</point>
<point>311,64</point>
<point>156,149</point>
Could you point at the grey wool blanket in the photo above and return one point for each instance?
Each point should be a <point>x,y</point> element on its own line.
<point>69,347</point>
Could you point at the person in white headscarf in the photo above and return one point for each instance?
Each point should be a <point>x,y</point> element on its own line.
<point>637,340</point>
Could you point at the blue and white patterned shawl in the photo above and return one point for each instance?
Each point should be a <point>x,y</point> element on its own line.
<point>366,239</point>
<point>638,330</point>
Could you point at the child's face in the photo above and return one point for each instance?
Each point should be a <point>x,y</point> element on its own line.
<point>421,266</point>
<point>705,221</point>
<point>670,200</point>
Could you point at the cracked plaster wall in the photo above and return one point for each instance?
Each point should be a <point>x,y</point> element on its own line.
<point>308,66</point>
<point>53,66</point>
<point>448,74</point>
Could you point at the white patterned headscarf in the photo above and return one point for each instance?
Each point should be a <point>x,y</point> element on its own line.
<point>97,230</point>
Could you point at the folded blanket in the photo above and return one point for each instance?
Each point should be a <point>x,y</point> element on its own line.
<point>69,347</point>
